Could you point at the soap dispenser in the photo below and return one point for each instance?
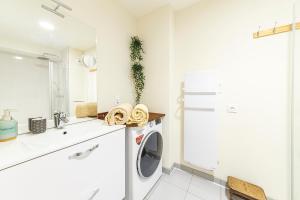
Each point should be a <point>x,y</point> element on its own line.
<point>8,127</point>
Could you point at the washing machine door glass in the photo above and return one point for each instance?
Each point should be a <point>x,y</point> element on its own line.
<point>149,155</point>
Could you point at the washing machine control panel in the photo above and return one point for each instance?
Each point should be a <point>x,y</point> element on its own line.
<point>158,121</point>
<point>155,122</point>
<point>151,124</point>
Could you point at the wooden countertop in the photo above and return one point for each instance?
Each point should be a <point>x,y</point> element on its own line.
<point>152,117</point>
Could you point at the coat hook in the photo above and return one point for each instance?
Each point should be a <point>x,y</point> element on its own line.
<point>258,31</point>
<point>274,29</point>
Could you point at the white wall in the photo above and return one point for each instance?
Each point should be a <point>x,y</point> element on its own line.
<point>114,27</point>
<point>82,82</point>
<point>296,130</point>
<point>24,87</point>
<point>253,144</point>
<point>296,120</point>
<point>155,29</point>
<point>29,49</point>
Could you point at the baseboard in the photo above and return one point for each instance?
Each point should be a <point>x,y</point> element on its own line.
<point>200,174</point>
<point>194,172</point>
<point>167,170</point>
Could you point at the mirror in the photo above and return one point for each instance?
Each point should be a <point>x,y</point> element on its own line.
<point>48,61</point>
<point>89,61</point>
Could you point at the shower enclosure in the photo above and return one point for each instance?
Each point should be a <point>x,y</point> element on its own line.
<point>34,85</point>
<point>58,91</point>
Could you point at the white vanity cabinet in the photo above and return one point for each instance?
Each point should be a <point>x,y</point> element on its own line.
<point>90,170</point>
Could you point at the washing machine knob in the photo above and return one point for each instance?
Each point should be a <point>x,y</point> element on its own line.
<point>139,139</point>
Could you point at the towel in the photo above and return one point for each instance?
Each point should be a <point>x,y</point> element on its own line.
<point>86,110</point>
<point>119,114</point>
<point>139,115</point>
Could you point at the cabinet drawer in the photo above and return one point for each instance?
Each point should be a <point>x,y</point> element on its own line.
<point>86,170</point>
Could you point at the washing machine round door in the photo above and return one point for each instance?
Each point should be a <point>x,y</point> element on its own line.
<point>150,154</point>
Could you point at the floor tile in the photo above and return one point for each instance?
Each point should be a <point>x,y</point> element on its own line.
<point>166,191</point>
<point>205,189</point>
<point>153,188</point>
<point>236,198</point>
<point>192,197</point>
<point>224,194</point>
<point>179,178</point>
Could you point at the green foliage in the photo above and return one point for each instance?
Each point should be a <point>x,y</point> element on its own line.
<point>137,69</point>
<point>136,48</point>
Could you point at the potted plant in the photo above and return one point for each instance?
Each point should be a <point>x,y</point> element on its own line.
<point>137,69</point>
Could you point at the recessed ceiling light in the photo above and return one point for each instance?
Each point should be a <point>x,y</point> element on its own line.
<point>18,58</point>
<point>46,25</point>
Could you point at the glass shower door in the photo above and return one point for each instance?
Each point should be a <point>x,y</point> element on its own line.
<point>59,87</point>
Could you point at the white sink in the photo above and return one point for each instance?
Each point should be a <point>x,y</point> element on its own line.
<point>44,140</point>
<point>58,137</point>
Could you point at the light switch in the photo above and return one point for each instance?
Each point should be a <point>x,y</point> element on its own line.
<point>232,109</point>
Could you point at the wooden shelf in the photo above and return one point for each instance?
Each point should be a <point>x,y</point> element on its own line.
<point>152,117</point>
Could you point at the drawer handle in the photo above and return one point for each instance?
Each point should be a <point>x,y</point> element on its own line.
<point>94,194</point>
<point>83,155</point>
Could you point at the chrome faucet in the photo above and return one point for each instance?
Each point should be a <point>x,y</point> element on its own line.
<point>60,120</point>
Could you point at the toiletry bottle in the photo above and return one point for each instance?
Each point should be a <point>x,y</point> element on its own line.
<point>8,127</point>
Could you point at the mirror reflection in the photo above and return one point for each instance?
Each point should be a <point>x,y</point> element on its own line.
<point>47,62</point>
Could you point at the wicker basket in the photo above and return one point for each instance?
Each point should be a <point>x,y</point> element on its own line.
<point>37,125</point>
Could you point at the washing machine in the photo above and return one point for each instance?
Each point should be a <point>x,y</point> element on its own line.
<point>144,147</point>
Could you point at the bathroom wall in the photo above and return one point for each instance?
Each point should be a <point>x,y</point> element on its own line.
<point>13,45</point>
<point>24,86</point>
<point>254,142</point>
<point>114,27</point>
<point>82,82</point>
<point>296,110</point>
<point>156,30</point>
<point>78,80</point>
<point>296,138</point>
<point>92,82</point>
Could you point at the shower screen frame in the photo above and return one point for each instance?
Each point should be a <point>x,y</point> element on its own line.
<point>54,87</point>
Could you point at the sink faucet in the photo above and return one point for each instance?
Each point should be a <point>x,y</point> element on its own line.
<point>60,120</point>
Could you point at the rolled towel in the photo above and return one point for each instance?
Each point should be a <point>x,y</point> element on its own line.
<point>86,110</point>
<point>119,114</point>
<point>139,115</point>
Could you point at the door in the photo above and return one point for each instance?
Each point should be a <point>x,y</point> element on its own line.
<point>149,155</point>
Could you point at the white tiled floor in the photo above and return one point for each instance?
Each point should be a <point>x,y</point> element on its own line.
<point>181,185</point>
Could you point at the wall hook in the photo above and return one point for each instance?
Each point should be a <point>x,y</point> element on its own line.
<point>258,31</point>
<point>274,29</point>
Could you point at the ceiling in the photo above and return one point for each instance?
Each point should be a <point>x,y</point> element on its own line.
<point>142,7</point>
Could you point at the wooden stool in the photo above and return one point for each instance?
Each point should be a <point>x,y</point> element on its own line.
<point>244,190</point>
